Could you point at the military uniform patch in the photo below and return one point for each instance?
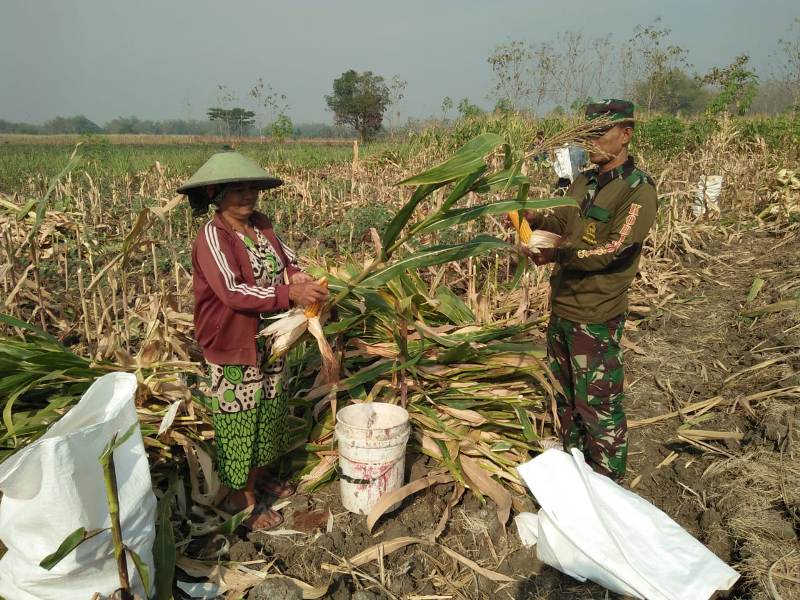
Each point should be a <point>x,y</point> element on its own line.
<point>590,234</point>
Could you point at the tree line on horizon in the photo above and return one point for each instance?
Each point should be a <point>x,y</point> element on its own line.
<point>557,76</point>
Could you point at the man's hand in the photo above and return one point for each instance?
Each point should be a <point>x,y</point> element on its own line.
<point>306,293</point>
<point>542,257</point>
<point>300,277</point>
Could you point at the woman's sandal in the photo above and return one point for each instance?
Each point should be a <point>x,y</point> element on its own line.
<point>259,510</point>
<point>271,486</point>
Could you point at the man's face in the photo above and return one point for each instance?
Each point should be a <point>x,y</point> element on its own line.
<point>608,145</point>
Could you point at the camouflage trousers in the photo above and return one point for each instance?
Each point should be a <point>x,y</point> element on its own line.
<point>587,361</point>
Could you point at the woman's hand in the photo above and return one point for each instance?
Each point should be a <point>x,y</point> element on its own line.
<point>307,292</point>
<point>300,277</point>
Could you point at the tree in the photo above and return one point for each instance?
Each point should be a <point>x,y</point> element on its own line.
<point>565,70</point>
<point>468,109</point>
<point>737,86</point>
<point>277,124</point>
<point>397,91</point>
<point>672,92</point>
<point>76,124</point>
<point>511,64</point>
<point>281,128</point>
<point>653,63</point>
<point>237,121</point>
<point>447,106</point>
<point>503,106</point>
<point>359,100</point>
<point>790,63</point>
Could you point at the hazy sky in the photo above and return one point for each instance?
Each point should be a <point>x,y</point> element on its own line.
<point>164,59</point>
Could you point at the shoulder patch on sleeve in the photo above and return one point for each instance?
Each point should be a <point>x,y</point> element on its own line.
<point>638,177</point>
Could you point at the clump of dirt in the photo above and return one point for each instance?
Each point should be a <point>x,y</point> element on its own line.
<point>276,589</point>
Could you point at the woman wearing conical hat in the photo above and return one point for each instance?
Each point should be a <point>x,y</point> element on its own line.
<point>240,271</point>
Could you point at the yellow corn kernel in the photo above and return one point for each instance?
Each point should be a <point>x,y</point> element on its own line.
<point>313,310</point>
<point>522,227</point>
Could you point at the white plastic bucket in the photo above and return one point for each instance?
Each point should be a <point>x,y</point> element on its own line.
<point>372,453</point>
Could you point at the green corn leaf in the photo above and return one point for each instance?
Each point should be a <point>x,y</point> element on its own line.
<point>14,322</point>
<point>527,426</point>
<point>117,441</point>
<point>452,466</point>
<point>460,354</point>
<point>468,159</point>
<point>508,156</point>
<point>343,325</point>
<point>8,419</point>
<point>141,568</point>
<point>23,212</point>
<point>436,255</point>
<point>164,553</point>
<point>402,217</point>
<point>72,541</point>
<point>462,188</point>
<point>460,216</point>
<point>755,288</point>
<point>501,447</point>
<point>229,526</point>
<point>453,307</point>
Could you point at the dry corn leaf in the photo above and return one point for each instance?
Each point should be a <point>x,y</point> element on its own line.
<point>382,549</point>
<point>400,494</point>
<point>478,477</point>
<point>471,416</point>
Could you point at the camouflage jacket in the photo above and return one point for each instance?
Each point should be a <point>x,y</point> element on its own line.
<point>604,238</point>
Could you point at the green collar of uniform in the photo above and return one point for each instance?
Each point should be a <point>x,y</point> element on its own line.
<point>601,180</point>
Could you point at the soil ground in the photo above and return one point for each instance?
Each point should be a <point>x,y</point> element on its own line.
<point>696,346</point>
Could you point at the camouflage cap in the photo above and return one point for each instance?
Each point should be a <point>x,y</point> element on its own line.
<point>615,110</point>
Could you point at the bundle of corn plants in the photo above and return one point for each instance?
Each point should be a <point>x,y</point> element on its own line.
<point>39,380</point>
<point>475,394</point>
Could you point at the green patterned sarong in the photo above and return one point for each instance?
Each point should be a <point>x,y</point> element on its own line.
<point>249,403</point>
<point>250,419</point>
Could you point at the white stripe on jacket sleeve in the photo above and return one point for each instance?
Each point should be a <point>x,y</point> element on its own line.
<point>227,273</point>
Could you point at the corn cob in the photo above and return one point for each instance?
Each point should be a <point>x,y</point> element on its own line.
<point>313,310</point>
<point>522,227</point>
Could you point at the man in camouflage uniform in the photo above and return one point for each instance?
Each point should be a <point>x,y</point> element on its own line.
<point>593,270</point>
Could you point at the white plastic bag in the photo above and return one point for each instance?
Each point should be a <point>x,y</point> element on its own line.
<point>591,528</point>
<point>569,160</point>
<point>55,485</point>
<point>706,195</point>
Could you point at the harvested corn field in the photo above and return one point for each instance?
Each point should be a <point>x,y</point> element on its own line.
<point>432,308</point>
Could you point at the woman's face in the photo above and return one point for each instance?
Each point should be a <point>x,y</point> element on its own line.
<point>239,200</point>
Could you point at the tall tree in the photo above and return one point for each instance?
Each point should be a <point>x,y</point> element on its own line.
<point>277,122</point>
<point>737,85</point>
<point>237,121</point>
<point>359,100</point>
<point>468,109</point>
<point>397,91</point>
<point>654,62</point>
<point>512,68</point>
<point>789,57</point>
<point>447,106</point>
<point>672,92</point>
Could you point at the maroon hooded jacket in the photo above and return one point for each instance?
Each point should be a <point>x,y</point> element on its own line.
<point>227,301</point>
